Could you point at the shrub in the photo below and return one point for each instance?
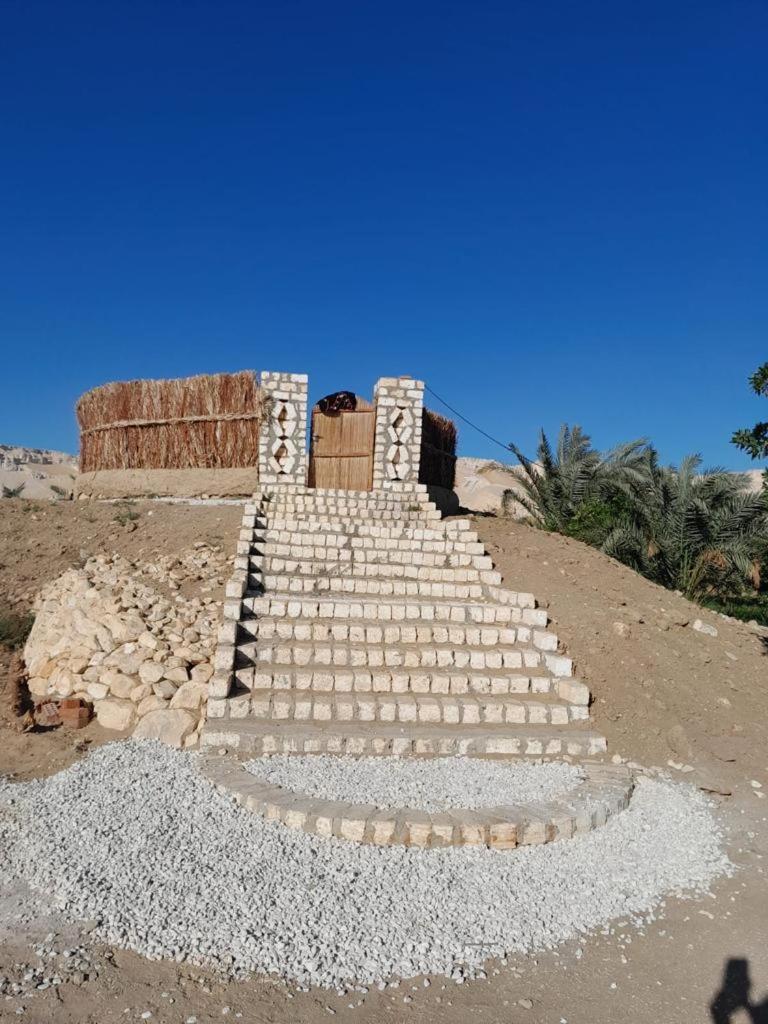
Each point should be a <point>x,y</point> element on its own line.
<point>14,629</point>
<point>125,514</point>
<point>700,532</point>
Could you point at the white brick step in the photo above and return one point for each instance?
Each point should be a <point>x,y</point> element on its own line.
<point>468,709</point>
<point>349,503</point>
<point>332,556</point>
<point>319,498</point>
<point>282,604</point>
<point>383,571</point>
<point>254,736</point>
<point>433,656</point>
<point>445,532</point>
<point>407,492</point>
<point>424,518</point>
<point>362,631</point>
<point>355,586</point>
<point>275,539</point>
<point>324,679</point>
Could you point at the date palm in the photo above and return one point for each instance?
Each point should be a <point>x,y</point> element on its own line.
<point>560,483</point>
<point>698,532</point>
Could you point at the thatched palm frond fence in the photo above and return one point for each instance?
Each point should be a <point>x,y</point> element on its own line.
<point>207,422</point>
<point>438,450</point>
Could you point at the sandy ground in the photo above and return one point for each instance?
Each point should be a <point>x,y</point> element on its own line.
<point>40,539</point>
<point>659,689</point>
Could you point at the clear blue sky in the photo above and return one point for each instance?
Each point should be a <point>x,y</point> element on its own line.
<point>549,211</point>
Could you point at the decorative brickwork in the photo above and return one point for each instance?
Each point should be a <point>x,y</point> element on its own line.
<point>283,444</point>
<point>399,403</point>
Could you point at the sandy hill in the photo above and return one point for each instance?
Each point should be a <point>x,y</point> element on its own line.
<point>39,470</point>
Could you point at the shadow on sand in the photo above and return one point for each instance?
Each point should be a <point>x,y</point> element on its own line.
<point>735,996</point>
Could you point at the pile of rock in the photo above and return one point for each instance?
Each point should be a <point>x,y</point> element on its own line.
<point>144,659</point>
<point>204,567</point>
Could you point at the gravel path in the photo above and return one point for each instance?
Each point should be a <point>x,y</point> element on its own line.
<point>136,839</point>
<point>432,784</point>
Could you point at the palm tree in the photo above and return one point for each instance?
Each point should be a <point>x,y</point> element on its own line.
<point>698,532</point>
<point>560,485</point>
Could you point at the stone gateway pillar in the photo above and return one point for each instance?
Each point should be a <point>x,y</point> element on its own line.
<point>399,403</point>
<point>283,440</point>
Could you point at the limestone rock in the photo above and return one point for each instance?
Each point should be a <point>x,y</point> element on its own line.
<point>115,714</point>
<point>201,673</point>
<point>149,640</point>
<point>164,688</point>
<point>62,682</point>
<point>704,627</point>
<point>171,727</point>
<point>151,672</point>
<point>38,687</point>
<point>119,685</point>
<point>189,696</point>
<point>177,675</point>
<point>150,703</point>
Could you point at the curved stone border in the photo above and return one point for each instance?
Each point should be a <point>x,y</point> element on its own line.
<point>605,791</point>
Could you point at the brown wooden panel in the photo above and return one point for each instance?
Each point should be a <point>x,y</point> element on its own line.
<point>341,451</point>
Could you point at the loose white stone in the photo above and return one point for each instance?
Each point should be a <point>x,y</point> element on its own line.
<point>432,784</point>
<point>215,884</point>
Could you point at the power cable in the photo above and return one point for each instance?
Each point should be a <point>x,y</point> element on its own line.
<point>506,447</point>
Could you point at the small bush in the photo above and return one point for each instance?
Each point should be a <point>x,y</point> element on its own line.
<point>593,521</point>
<point>13,492</point>
<point>14,629</point>
<point>60,492</point>
<point>125,514</point>
<point>745,607</point>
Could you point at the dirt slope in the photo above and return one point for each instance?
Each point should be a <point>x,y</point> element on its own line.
<point>659,675</point>
<point>662,691</point>
<point>39,540</point>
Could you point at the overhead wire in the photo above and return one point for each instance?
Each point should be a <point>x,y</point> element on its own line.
<point>506,447</point>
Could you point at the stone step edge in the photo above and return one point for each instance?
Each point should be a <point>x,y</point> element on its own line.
<point>444,530</point>
<point>349,681</point>
<point>302,549</point>
<point>272,630</point>
<point>604,792</point>
<point>407,489</point>
<point>372,656</point>
<point>295,616</point>
<point>315,568</point>
<point>256,736</point>
<point>562,692</point>
<point>331,587</point>
<point>389,609</point>
<point>349,499</point>
<point>404,709</point>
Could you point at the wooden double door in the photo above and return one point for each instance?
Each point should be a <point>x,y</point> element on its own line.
<point>341,443</point>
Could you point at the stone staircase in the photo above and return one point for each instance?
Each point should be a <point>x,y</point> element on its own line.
<point>364,623</point>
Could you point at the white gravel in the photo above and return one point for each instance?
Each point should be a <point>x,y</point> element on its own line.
<point>432,784</point>
<point>136,839</point>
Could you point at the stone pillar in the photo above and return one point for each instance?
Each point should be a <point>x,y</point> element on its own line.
<point>283,441</point>
<point>399,402</point>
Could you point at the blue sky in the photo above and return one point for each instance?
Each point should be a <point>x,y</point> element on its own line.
<point>549,211</point>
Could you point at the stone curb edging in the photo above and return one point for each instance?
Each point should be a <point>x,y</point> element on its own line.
<point>605,791</point>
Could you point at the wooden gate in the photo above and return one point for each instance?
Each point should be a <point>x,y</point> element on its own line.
<point>341,450</point>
